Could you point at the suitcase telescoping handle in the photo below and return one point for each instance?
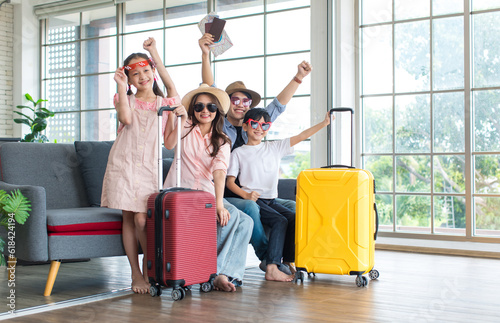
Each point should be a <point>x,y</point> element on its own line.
<point>352,152</point>
<point>177,150</point>
<point>330,134</point>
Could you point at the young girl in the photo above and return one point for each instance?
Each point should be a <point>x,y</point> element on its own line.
<point>131,173</point>
<point>204,159</point>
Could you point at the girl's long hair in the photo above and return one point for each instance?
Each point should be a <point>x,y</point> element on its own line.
<point>218,138</point>
<point>156,89</point>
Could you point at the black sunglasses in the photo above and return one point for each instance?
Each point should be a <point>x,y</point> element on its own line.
<point>198,107</point>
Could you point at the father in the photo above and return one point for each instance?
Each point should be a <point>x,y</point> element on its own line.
<point>243,99</point>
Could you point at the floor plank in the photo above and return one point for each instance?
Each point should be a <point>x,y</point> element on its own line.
<point>412,288</point>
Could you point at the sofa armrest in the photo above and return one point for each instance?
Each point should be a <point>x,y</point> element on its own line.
<point>31,237</point>
<point>287,188</point>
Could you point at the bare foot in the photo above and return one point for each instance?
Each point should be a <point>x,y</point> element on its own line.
<point>139,285</point>
<point>222,283</point>
<point>274,274</point>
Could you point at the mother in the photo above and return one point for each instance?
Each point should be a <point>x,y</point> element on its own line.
<point>205,158</point>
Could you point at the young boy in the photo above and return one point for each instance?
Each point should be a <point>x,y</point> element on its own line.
<point>256,164</point>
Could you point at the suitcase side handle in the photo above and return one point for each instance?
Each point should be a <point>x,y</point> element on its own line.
<point>338,166</point>
<point>376,221</point>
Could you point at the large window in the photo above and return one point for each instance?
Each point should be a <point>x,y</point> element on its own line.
<point>82,50</point>
<point>430,101</point>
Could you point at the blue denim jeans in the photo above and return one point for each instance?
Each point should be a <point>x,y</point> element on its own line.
<point>281,222</point>
<point>232,243</point>
<point>286,203</point>
<point>259,240</point>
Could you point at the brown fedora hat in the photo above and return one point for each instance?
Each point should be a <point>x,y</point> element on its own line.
<point>239,86</point>
<point>205,88</point>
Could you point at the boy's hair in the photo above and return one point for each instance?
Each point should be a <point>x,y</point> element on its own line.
<point>256,114</point>
<point>156,89</point>
<point>246,94</point>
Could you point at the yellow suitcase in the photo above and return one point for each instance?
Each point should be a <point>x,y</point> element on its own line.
<point>336,222</point>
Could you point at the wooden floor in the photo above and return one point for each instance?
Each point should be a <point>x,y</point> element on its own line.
<point>412,288</point>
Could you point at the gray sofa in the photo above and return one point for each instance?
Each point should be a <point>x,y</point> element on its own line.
<point>63,183</point>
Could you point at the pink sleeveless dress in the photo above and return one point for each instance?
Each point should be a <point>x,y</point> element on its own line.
<point>132,169</point>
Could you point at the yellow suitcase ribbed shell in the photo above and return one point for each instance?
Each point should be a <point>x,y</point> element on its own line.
<point>335,221</point>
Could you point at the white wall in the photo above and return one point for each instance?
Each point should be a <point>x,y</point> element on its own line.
<point>6,73</point>
<point>26,48</point>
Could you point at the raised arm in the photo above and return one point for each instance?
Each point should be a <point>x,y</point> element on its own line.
<point>206,71</point>
<point>286,95</point>
<point>311,131</point>
<point>123,112</point>
<point>150,45</point>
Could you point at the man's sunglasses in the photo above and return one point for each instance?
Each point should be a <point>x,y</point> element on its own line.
<point>237,101</point>
<point>212,107</point>
<point>263,125</point>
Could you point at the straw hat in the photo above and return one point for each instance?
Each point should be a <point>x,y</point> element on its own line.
<point>205,88</point>
<point>239,86</point>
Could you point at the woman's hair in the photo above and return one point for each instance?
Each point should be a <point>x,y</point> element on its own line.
<point>256,114</point>
<point>156,88</point>
<point>218,138</point>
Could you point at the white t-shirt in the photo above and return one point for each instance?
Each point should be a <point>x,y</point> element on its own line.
<point>257,167</point>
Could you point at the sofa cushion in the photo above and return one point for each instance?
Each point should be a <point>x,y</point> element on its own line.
<point>93,158</point>
<point>287,188</point>
<point>84,221</point>
<point>51,166</point>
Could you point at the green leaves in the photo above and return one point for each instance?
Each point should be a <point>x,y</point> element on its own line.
<point>14,203</point>
<point>37,123</point>
<point>19,205</point>
<point>29,98</point>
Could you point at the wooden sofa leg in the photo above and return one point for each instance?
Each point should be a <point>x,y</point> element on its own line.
<point>54,268</point>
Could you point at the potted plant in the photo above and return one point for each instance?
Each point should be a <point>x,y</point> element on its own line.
<point>38,123</point>
<point>14,209</point>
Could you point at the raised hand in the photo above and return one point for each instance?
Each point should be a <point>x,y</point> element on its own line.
<point>326,121</point>
<point>120,77</point>
<point>149,44</point>
<point>304,69</point>
<point>205,41</point>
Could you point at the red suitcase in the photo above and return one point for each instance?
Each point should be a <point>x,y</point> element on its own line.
<point>181,234</point>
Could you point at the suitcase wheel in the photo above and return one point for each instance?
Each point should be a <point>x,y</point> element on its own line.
<point>373,274</point>
<point>154,290</point>
<point>299,275</point>
<point>178,294</point>
<point>361,281</point>
<point>206,287</point>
